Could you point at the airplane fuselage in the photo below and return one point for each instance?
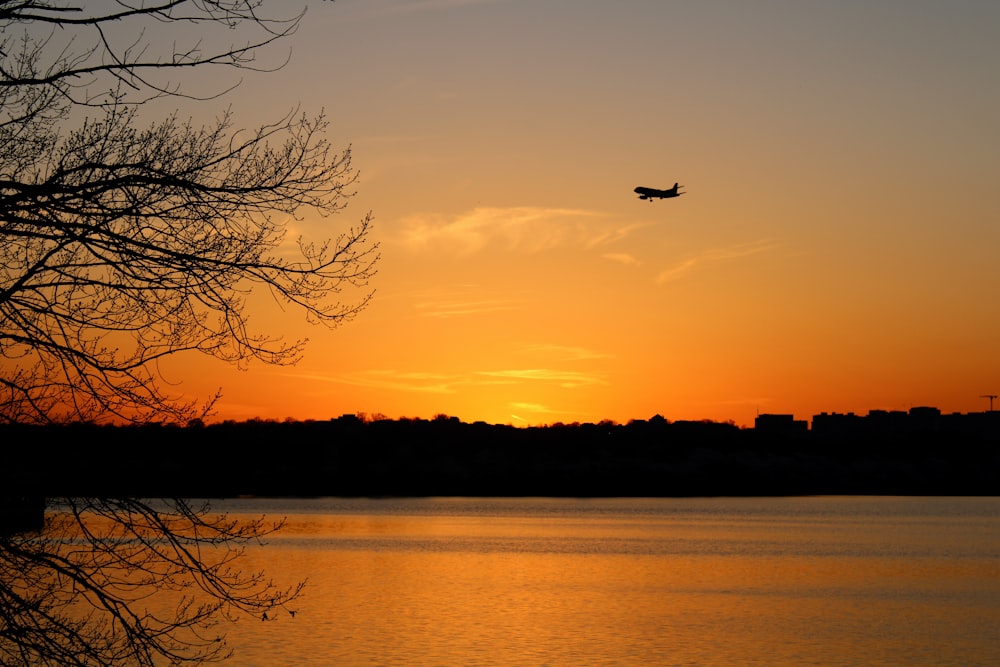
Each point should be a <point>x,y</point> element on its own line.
<point>654,193</point>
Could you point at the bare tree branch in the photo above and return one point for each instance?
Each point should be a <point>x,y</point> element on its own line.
<point>98,61</point>
<point>126,243</point>
<point>129,582</point>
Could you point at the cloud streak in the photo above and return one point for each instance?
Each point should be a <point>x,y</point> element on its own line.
<point>565,379</point>
<point>519,229</point>
<point>622,258</point>
<point>409,381</point>
<point>460,301</point>
<point>535,410</point>
<point>458,308</point>
<point>712,256</point>
<point>450,383</point>
<point>566,352</point>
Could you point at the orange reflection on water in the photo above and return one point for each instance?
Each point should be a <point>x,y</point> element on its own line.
<point>612,589</point>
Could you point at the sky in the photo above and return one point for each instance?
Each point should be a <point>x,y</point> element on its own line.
<point>835,249</point>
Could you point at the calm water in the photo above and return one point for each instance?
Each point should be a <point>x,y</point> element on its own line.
<point>803,581</point>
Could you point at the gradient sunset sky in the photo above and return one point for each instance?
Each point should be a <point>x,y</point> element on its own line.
<point>838,248</point>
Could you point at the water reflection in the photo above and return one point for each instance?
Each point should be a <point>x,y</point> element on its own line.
<point>628,582</point>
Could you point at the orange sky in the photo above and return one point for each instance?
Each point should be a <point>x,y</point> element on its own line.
<point>836,249</point>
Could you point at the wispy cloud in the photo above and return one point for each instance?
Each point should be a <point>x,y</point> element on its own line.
<point>565,379</point>
<point>413,381</point>
<point>461,301</point>
<point>711,256</point>
<point>538,413</point>
<point>460,308</point>
<point>566,352</point>
<point>613,233</point>
<point>676,271</point>
<point>531,407</point>
<point>449,383</point>
<point>532,412</point>
<point>622,258</point>
<point>523,229</point>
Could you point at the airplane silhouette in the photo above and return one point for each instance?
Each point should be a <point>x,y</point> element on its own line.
<point>653,193</point>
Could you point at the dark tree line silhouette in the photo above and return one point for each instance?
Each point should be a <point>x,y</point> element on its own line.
<point>350,456</point>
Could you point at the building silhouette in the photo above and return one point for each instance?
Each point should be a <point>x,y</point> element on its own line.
<point>917,420</point>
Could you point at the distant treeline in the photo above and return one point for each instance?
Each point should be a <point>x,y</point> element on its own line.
<point>351,456</point>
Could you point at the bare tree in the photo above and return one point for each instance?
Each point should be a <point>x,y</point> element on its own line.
<point>127,582</point>
<point>124,242</point>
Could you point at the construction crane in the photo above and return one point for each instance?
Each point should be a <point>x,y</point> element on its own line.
<point>991,397</point>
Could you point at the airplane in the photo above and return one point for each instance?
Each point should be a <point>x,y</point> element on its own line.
<point>653,193</point>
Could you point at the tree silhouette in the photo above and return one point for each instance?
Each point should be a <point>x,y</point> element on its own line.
<point>124,242</point>
<point>81,590</point>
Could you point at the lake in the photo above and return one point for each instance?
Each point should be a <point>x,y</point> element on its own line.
<point>496,581</point>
